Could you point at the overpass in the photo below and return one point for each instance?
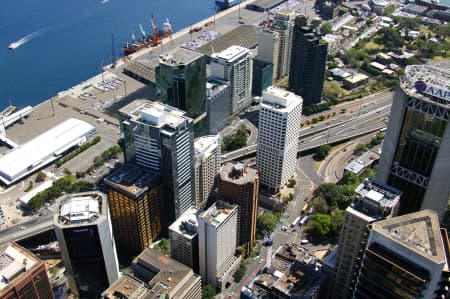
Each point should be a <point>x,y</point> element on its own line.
<point>345,130</point>
<point>28,229</point>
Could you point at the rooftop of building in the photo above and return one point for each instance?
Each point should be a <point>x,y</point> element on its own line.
<point>144,68</point>
<point>166,272</point>
<point>231,53</point>
<point>218,213</point>
<point>292,272</point>
<point>237,173</point>
<point>180,56</point>
<point>355,78</point>
<point>132,179</point>
<point>431,79</point>
<point>215,86</point>
<point>15,262</point>
<point>360,163</point>
<point>264,5</point>
<point>42,149</point>
<point>158,115</point>
<point>280,99</point>
<point>187,224</point>
<point>376,199</point>
<point>419,232</point>
<point>245,36</point>
<point>77,209</point>
<point>126,287</point>
<point>205,145</point>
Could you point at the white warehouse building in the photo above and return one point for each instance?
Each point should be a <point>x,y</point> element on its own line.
<point>43,149</point>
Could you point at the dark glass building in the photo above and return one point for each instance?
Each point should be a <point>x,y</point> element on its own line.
<point>262,76</point>
<point>83,229</point>
<point>181,81</point>
<point>308,59</point>
<point>416,150</point>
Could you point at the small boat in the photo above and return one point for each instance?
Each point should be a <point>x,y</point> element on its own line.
<point>13,46</point>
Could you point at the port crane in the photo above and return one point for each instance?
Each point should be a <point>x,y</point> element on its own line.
<point>156,40</point>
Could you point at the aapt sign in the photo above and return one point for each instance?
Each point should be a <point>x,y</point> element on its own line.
<point>433,90</point>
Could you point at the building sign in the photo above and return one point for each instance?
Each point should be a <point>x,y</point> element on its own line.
<point>433,90</point>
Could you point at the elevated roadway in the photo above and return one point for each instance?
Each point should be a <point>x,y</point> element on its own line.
<point>27,229</point>
<point>354,126</point>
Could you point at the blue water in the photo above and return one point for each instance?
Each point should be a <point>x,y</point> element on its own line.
<point>73,39</point>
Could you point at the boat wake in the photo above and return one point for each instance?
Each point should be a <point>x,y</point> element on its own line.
<point>104,1</point>
<point>24,40</point>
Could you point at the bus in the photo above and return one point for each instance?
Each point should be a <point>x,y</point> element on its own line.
<point>303,221</point>
<point>295,222</point>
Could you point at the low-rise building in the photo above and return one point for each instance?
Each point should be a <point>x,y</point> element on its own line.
<point>22,274</point>
<point>292,273</point>
<point>127,287</point>
<point>165,276</point>
<point>355,80</point>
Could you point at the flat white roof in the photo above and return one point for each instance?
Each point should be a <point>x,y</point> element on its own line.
<point>79,209</point>
<point>283,100</point>
<point>12,264</point>
<point>42,149</point>
<point>232,53</point>
<point>205,145</point>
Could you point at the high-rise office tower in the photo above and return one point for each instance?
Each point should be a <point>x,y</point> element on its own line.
<point>217,230</point>
<point>283,23</point>
<point>206,166</point>
<point>181,81</point>
<point>22,274</point>
<point>218,105</point>
<point>166,277</point>
<point>135,201</point>
<point>160,138</point>
<point>183,237</point>
<point>235,66</point>
<point>239,184</point>
<point>405,257</point>
<point>83,229</point>
<point>416,149</point>
<point>262,76</point>
<point>308,60</point>
<point>269,50</point>
<point>374,201</point>
<point>279,125</point>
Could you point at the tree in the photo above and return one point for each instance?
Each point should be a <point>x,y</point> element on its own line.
<point>349,178</point>
<point>240,272</point>
<point>322,151</point>
<point>389,10</point>
<point>292,182</point>
<point>320,205</point>
<point>390,38</point>
<point>326,28</point>
<point>360,148</point>
<point>163,246</point>
<point>266,223</point>
<point>40,177</point>
<point>320,226</point>
<point>337,218</point>
<point>332,194</point>
<point>208,292</point>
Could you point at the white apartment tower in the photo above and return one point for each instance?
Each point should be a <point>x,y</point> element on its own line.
<point>206,166</point>
<point>269,50</point>
<point>235,66</point>
<point>83,229</point>
<point>283,23</point>
<point>279,125</point>
<point>217,230</point>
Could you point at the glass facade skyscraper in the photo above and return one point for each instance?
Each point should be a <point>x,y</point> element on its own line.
<point>181,81</point>
<point>416,150</point>
<point>308,59</point>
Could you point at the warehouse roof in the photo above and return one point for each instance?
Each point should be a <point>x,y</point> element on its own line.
<point>43,149</point>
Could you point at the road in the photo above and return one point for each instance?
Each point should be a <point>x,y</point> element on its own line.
<point>355,124</point>
<point>37,224</point>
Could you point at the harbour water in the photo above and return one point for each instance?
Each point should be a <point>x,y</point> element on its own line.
<point>65,42</point>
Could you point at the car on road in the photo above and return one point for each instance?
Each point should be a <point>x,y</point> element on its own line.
<point>23,227</point>
<point>304,241</point>
<point>209,23</point>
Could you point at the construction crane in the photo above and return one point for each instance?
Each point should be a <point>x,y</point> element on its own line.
<point>156,40</point>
